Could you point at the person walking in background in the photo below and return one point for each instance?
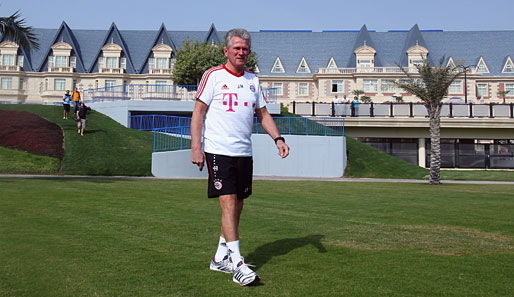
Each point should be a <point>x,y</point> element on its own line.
<point>82,118</point>
<point>76,100</point>
<point>227,146</point>
<point>66,104</point>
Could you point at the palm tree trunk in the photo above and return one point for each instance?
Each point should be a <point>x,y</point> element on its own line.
<point>435,146</point>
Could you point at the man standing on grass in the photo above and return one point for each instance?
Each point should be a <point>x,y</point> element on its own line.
<point>227,98</point>
<point>76,100</point>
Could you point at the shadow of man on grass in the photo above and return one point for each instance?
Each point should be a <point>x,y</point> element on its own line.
<point>280,247</point>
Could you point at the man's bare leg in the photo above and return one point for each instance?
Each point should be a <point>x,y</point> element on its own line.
<point>231,209</point>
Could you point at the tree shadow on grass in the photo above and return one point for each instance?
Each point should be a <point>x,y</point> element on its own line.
<point>94,131</point>
<point>280,247</point>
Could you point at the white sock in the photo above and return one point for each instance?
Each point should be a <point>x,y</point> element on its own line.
<point>235,254</point>
<point>222,250</point>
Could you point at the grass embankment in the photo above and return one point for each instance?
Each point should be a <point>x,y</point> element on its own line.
<point>112,237</point>
<point>13,161</point>
<point>107,148</point>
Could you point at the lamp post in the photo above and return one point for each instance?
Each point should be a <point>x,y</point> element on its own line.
<point>466,68</point>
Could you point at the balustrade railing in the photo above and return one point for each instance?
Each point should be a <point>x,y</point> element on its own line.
<point>365,70</point>
<point>448,110</point>
<point>153,92</point>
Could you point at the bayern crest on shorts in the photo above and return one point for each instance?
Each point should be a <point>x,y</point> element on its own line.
<point>217,184</point>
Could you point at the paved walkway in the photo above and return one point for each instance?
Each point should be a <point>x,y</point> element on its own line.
<point>278,178</point>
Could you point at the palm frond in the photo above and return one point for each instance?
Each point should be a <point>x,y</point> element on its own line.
<point>14,28</point>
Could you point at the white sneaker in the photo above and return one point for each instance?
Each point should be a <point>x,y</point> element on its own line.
<point>243,275</point>
<point>224,265</point>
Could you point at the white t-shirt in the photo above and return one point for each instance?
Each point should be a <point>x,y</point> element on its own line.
<point>232,100</point>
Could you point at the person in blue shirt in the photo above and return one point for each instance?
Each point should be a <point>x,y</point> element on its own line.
<point>66,104</point>
<point>355,106</point>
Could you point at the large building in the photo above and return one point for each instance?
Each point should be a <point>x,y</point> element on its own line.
<point>300,65</point>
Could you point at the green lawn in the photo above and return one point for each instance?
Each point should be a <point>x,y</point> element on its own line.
<point>107,148</point>
<point>13,161</point>
<point>148,237</point>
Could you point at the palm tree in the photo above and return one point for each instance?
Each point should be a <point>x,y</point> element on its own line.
<point>502,94</point>
<point>15,29</point>
<point>430,84</point>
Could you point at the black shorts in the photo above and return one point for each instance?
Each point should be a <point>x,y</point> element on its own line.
<point>66,107</point>
<point>229,175</point>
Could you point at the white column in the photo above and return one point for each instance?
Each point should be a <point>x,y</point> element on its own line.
<point>421,152</point>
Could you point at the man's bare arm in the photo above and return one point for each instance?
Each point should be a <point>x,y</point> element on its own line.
<point>270,127</point>
<point>197,156</point>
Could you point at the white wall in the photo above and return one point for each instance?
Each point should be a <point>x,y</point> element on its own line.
<point>120,110</point>
<point>310,156</point>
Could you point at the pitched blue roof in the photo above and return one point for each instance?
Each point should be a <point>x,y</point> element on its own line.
<point>291,46</point>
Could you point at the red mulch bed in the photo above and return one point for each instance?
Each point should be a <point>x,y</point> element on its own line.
<point>28,132</point>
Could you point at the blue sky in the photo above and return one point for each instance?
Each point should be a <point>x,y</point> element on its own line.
<point>383,15</point>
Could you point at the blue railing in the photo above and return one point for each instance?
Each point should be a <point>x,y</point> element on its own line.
<point>174,133</point>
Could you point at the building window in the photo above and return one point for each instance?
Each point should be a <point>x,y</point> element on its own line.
<point>388,86</point>
<point>73,62</point>
<point>417,63</point>
<point>303,89</point>
<point>337,86</point>
<point>123,63</point>
<point>6,82</point>
<point>278,89</point>
<point>60,61</point>
<point>481,90</point>
<point>161,63</point>
<point>110,83</point>
<point>370,85</point>
<point>111,62</point>
<point>101,62</point>
<point>20,60</point>
<point>160,86</point>
<point>509,88</point>
<point>8,60</point>
<point>59,84</point>
<point>365,65</point>
<point>455,87</point>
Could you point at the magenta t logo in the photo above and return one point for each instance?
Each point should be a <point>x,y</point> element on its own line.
<point>230,102</point>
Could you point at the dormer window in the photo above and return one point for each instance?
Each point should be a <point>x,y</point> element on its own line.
<point>162,61</point>
<point>481,66</point>
<point>332,66</point>
<point>277,67</point>
<point>111,61</point>
<point>365,56</point>
<point>9,58</point>
<point>509,66</point>
<point>303,67</point>
<point>61,57</point>
<point>416,55</point>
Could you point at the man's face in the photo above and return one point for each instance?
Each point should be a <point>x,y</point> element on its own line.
<point>238,52</point>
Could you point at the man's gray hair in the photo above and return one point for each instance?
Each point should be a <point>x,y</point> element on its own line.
<point>241,33</point>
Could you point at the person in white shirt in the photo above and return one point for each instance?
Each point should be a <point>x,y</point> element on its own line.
<point>345,102</point>
<point>227,99</point>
